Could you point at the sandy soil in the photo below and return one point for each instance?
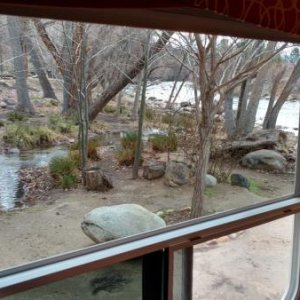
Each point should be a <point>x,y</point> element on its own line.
<point>252,265</point>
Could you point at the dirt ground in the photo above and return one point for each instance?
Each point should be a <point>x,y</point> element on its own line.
<point>252,265</point>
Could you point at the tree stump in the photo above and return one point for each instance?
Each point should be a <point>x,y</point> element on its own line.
<point>96,180</point>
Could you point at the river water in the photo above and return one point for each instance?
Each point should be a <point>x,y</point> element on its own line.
<point>10,165</point>
<point>159,93</point>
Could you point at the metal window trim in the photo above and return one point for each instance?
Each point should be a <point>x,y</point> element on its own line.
<point>194,232</point>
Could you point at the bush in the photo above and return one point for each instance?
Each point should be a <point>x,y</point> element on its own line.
<point>15,116</point>
<point>68,181</point>
<point>129,140</point>
<point>25,136</point>
<point>2,123</point>
<point>75,156</point>
<point>167,119</point>
<point>163,143</point>
<point>61,124</point>
<point>62,169</point>
<point>125,155</point>
<point>93,144</point>
<point>149,114</point>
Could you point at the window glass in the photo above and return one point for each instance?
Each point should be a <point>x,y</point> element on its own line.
<point>120,281</point>
<point>218,118</point>
<point>253,264</point>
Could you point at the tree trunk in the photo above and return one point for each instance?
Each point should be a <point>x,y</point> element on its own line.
<point>200,172</point>
<point>284,95</point>
<point>168,105</point>
<point>67,61</point>
<point>40,27</point>
<point>111,91</point>
<point>14,29</point>
<point>135,108</point>
<point>242,107</point>
<point>179,90</point>
<point>256,93</point>
<point>80,79</point>
<point>119,104</point>
<point>274,89</point>
<point>230,123</point>
<point>138,149</point>
<point>48,91</point>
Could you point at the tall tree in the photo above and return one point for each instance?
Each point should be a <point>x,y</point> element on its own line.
<point>274,109</point>
<point>15,33</point>
<point>36,61</point>
<point>138,149</point>
<point>219,72</point>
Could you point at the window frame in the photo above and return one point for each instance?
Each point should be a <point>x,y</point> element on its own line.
<point>183,235</point>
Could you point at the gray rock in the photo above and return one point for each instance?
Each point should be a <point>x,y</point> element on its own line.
<point>185,104</point>
<point>264,159</point>
<point>3,105</point>
<point>210,180</point>
<point>239,180</point>
<point>177,174</point>
<point>154,170</point>
<point>117,221</point>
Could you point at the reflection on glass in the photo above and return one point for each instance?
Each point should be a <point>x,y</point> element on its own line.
<point>237,99</point>
<point>118,282</point>
<point>252,264</point>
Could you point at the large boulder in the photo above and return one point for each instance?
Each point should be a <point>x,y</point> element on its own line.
<point>154,170</point>
<point>177,174</point>
<point>117,221</point>
<point>210,180</point>
<point>264,159</point>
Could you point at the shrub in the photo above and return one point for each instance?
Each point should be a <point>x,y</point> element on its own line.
<point>75,156</point>
<point>149,114</point>
<point>93,144</point>
<point>15,116</point>
<point>2,123</point>
<point>62,169</point>
<point>129,140</point>
<point>185,120</point>
<point>163,143</point>
<point>44,136</point>
<point>61,124</point>
<point>68,181</point>
<point>25,136</point>
<point>167,119</point>
<point>125,155</point>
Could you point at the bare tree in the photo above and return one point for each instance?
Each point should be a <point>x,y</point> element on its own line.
<point>219,72</point>
<point>275,106</point>
<point>36,61</point>
<point>117,85</point>
<point>15,33</point>
<point>138,149</point>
